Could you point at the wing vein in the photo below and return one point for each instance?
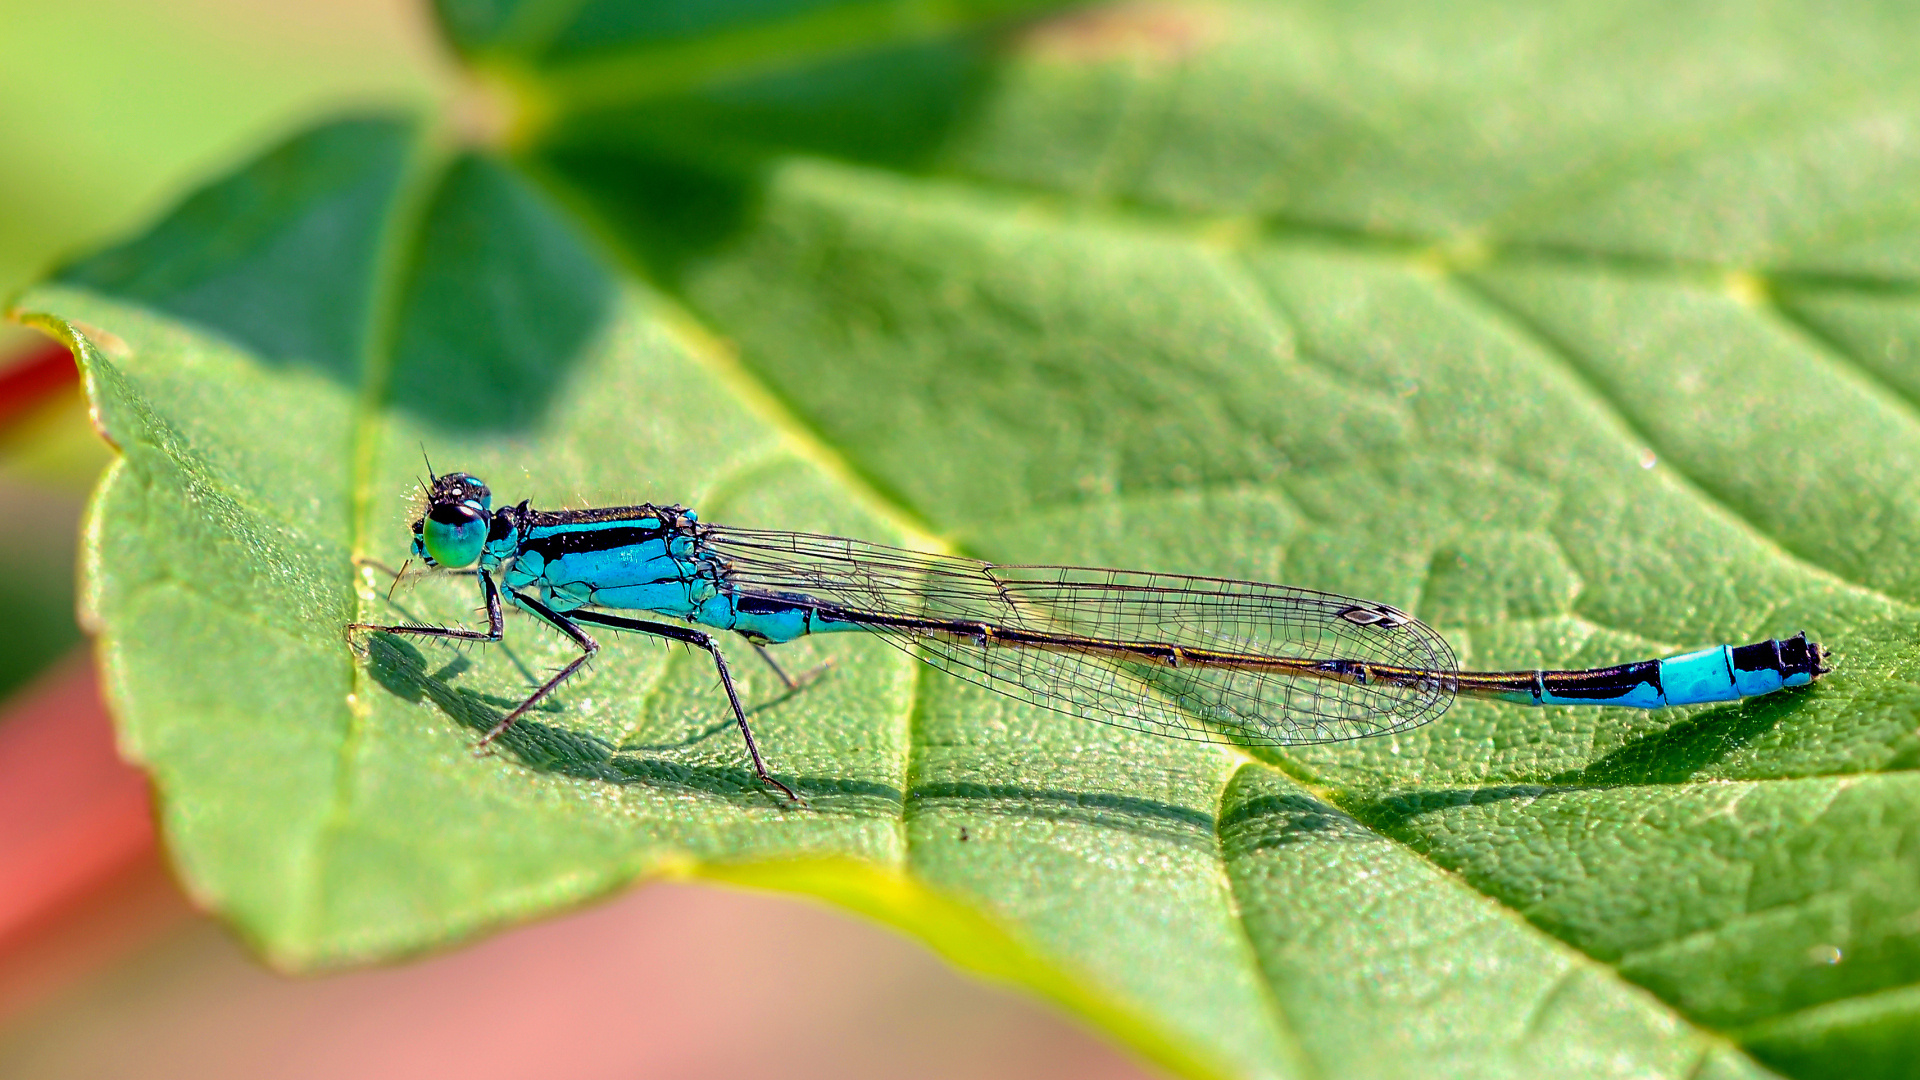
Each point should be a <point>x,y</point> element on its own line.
<point>1287,697</point>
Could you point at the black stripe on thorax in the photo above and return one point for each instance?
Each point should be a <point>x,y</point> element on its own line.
<point>574,541</point>
<point>547,519</point>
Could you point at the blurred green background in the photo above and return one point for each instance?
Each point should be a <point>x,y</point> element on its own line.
<point>112,109</point>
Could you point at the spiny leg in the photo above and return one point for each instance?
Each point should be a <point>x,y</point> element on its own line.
<point>702,640</point>
<point>496,621</point>
<point>588,647</point>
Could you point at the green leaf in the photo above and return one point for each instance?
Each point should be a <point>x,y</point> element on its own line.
<point>1585,334</point>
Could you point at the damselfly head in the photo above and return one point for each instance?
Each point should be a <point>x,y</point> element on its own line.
<point>460,487</point>
<point>453,531</point>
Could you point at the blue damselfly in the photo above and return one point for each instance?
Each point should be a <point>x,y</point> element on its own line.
<point>1209,659</point>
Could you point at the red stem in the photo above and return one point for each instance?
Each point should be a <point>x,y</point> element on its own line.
<point>35,376</point>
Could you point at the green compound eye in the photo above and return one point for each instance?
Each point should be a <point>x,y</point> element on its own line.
<point>454,535</point>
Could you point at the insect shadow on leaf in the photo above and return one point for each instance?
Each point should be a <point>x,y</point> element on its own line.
<point>549,748</point>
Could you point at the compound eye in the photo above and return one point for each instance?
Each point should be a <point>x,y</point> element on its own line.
<point>454,535</point>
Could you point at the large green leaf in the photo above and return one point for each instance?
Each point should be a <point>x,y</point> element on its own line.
<point>1586,334</point>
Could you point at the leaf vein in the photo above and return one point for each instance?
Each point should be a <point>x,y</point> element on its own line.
<point>1550,344</point>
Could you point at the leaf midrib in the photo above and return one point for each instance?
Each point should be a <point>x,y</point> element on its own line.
<point>426,165</point>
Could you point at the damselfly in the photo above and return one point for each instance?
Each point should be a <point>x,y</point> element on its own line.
<point>1185,657</point>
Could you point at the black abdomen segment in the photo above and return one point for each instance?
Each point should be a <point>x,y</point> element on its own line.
<point>1722,673</point>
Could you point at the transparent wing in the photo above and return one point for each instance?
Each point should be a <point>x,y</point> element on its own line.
<point>1225,702</point>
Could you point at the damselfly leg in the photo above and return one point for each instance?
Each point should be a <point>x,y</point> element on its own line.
<point>568,624</point>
